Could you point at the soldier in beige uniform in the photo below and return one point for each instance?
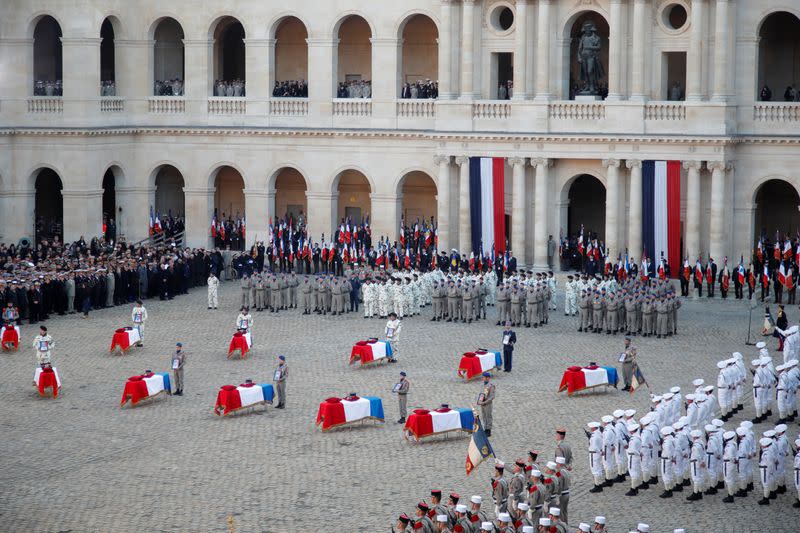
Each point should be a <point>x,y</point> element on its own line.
<point>502,300</point>
<point>401,388</point>
<point>452,302</point>
<point>293,283</point>
<point>245,285</point>
<point>499,489</point>
<point>516,305</point>
<point>261,283</point>
<point>485,400</point>
<point>563,449</point>
<point>275,295</point>
<point>517,484</point>
<point>307,291</point>
<point>284,285</point>
<point>584,315</point>
<point>566,479</point>
<point>662,308</point>
<point>627,363</point>
<point>281,373</point>
<point>466,304</point>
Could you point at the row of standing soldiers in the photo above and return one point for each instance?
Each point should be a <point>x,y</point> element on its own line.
<point>524,303</point>
<point>631,312</point>
<point>459,299</point>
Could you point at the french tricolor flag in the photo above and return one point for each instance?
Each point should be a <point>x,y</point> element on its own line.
<point>487,203</point>
<point>661,210</point>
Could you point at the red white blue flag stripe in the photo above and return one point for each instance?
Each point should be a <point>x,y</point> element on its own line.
<point>487,203</point>
<point>661,211</point>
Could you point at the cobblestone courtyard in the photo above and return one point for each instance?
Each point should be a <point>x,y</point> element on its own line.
<point>80,463</point>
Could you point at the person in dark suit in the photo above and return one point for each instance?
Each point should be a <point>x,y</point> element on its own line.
<point>509,340</point>
<point>355,286</point>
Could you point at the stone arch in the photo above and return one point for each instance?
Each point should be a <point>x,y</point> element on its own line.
<point>584,194</point>
<point>113,178</point>
<point>48,211</point>
<point>353,189</point>
<point>417,190</point>
<point>776,207</point>
<point>34,20</point>
<point>418,38</point>
<point>168,182</point>
<point>337,26</point>
<point>228,58</point>
<point>290,54</point>
<point>778,51</point>
<point>288,185</point>
<point>570,33</point>
<point>353,58</point>
<point>48,61</point>
<point>169,58</point>
<point>109,32</point>
<point>151,30</point>
<point>228,183</point>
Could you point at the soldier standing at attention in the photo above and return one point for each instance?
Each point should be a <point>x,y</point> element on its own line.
<point>392,331</point>
<point>401,388</point>
<point>563,449</point>
<point>628,360</point>
<point>261,284</point>
<point>452,302</point>
<point>138,316</point>
<point>245,285</point>
<point>213,284</point>
<point>43,344</point>
<point>485,399</point>
<point>307,290</point>
<point>509,340</point>
<point>280,381</point>
<point>178,362</point>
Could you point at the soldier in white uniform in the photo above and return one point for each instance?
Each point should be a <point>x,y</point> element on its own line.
<point>43,345</point>
<point>766,468</point>
<point>570,297</point>
<point>213,284</point>
<point>244,322</point>
<point>761,383</point>
<point>595,456</point>
<point>697,460</point>
<point>747,455</point>
<point>667,460</point>
<point>730,465</point>
<point>368,294</point>
<point>621,429</point>
<point>392,332</point>
<point>634,459</point>
<point>138,317</point>
<point>609,449</point>
<point>650,450</point>
<point>797,472</point>
<point>383,300</point>
<point>782,453</point>
<point>552,283</point>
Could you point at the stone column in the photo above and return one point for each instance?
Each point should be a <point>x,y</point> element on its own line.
<point>198,55</point>
<point>518,204</point>
<point>81,77</point>
<point>16,67</point>
<point>83,213</point>
<point>612,206</point>
<point>259,60</point>
<point>635,214</point>
<point>521,53</point>
<point>721,31</point>
<point>255,205</point>
<point>615,43</point>
<point>464,236</point>
<point>637,68</point>
<point>133,81</point>
<point>543,53</point>
<point>385,81</point>
<point>443,201</point>
<point>134,219</point>
<point>540,211</point>
<point>445,55</point>
<point>323,76</point>
<point>716,226</point>
<point>692,237</point>
<point>467,50</point>
<point>694,60</point>
<point>322,213</point>
<point>199,211</point>
<point>389,206</point>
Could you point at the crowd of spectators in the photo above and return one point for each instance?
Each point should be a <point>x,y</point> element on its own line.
<point>355,89</point>
<point>108,88</point>
<point>290,89</point>
<point>172,87</point>
<point>229,88</point>
<point>48,88</point>
<point>420,89</point>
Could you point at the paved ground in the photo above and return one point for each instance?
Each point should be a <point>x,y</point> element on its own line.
<point>80,463</point>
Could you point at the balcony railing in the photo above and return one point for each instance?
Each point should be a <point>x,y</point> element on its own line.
<point>665,111</point>
<point>112,104</point>
<point>568,110</point>
<point>352,107</point>
<point>491,109</point>
<point>416,108</point>
<point>776,112</point>
<point>227,105</point>
<point>166,105</point>
<point>45,104</point>
<point>288,107</point>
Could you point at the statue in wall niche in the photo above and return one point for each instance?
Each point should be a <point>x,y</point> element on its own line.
<point>589,59</point>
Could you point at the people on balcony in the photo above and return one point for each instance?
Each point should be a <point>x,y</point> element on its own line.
<point>421,89</point>
<point>108,88</point>
<point>172,87</point>
<point>47,88</point>
<point>766,93</point>
<point>290,89</point>
<point>791,94</point>
<point>229,88</point>
<point>355,89</point>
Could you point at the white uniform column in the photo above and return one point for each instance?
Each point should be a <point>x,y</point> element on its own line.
<point>540,211</point>
<point>446,53</point>
<point>543,53</point>
<point>467,49</point>
<point>694,60</point>
<point>716,234</point>
<point>635,214</point>
<point>612,206</point>
<point>464,245</point>
<point>721,31</point>
<point>443,201</point>
<point>615,52</point>
<point>518,201</point>
<point>521,53</point>
<point>692,238</point>
<point>637,68</point>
